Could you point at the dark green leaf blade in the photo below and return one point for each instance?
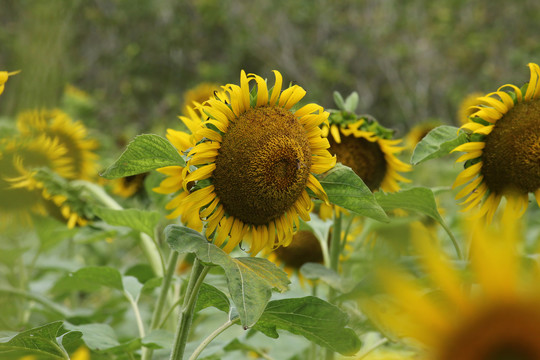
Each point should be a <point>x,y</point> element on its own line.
<point>437,143</point>
<point>139,220</point>
<point>346,189</point>
<point>312,318</point>
<point>249,282</point>
<point>48,340</point>
<point>145,153</point>
<point>211,296</point>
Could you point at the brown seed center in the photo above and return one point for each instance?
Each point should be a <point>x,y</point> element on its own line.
<point>262,165</point>
<point>511,158</point>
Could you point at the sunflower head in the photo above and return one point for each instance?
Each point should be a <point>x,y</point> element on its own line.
<point>490,310</point>
<point>503,150</point>
<point>250,160</point>
<point>304,248</point>
<point>361,143</point>
<point>72,135</point>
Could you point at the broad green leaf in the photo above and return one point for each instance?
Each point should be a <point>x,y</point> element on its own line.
<point>437,143</point>
<point>346,189</point>
<point>139,220</point>
<point>312,318</point>
<point>418,199</point>
<point>314,271</point>
<point>158,339</point>
<point>250,280</point>
<point>211,296</point>
<point>145,153</point>
<point>97,337</point>
<point>338,99</point>
<point>90,278</point>
<point>132,287</point>
<point>48,340</point>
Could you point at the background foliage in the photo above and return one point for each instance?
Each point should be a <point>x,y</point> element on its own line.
<point>409,60</point>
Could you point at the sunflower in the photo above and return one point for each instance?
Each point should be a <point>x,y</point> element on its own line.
<point>253,160</point>
<point>128,186</point>
<point>466,107</point>
<point>304,248</point>
<point>73,135</point>
<point>199,94</point>
<point>418,132</point>
<point>503,152</point>
<point>367,148</point>
<point>4,76</point>
<point>18,189</point>
<point>489,311</point>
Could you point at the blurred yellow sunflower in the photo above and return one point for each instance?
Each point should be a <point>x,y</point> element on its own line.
<point>18,189</point>
<point>503,152</point>
<point>73,135</point>
<point>466,107</point>
<point>199,94</point>
<point>418,132</point>
<point>4,76</point>
<point>372,156</point>
<point>253,160</point>
<point>304,248</point>
<point>491,310</point>
<point>128,186</point>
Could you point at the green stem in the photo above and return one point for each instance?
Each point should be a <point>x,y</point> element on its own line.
<point>136,312</point>
<point>454,240</point>
<point>198,272</point>
<point>211,337</point>
<point>158,310</point>
<point>335,250</point>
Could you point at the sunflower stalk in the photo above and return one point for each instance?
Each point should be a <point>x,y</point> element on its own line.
<point>335,250</point>
<point>158,310</point>
<point>198,273</point>
<point>212,336</point>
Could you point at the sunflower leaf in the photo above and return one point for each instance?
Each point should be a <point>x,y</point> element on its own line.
<point>49,340</point>
<point>249,279</point>
<point>315,271</point>
<point>417,199</point>
<point>145,153</point>
<point>90,278</point>
<point>346,189</point>
<point>437,143</point>
<point>312,318</point>
<point>139,220</point>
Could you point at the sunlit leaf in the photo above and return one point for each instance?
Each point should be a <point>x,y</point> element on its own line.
<point>250,280</point>
<point>145,153</point>
<point>49,340</point>
<point>312,318</point>
<point>346,189</point>
<point>437,143</point>
<point>139,220</point>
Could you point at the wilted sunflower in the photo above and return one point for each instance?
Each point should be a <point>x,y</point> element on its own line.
<point>466,107</point>
<point>491,311</point>
<point>367,148</point>
<point>254,158</point>
<point>19,192</point>
<point>4,76</point>
<point>503,152</point>
<point>73,135</point>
